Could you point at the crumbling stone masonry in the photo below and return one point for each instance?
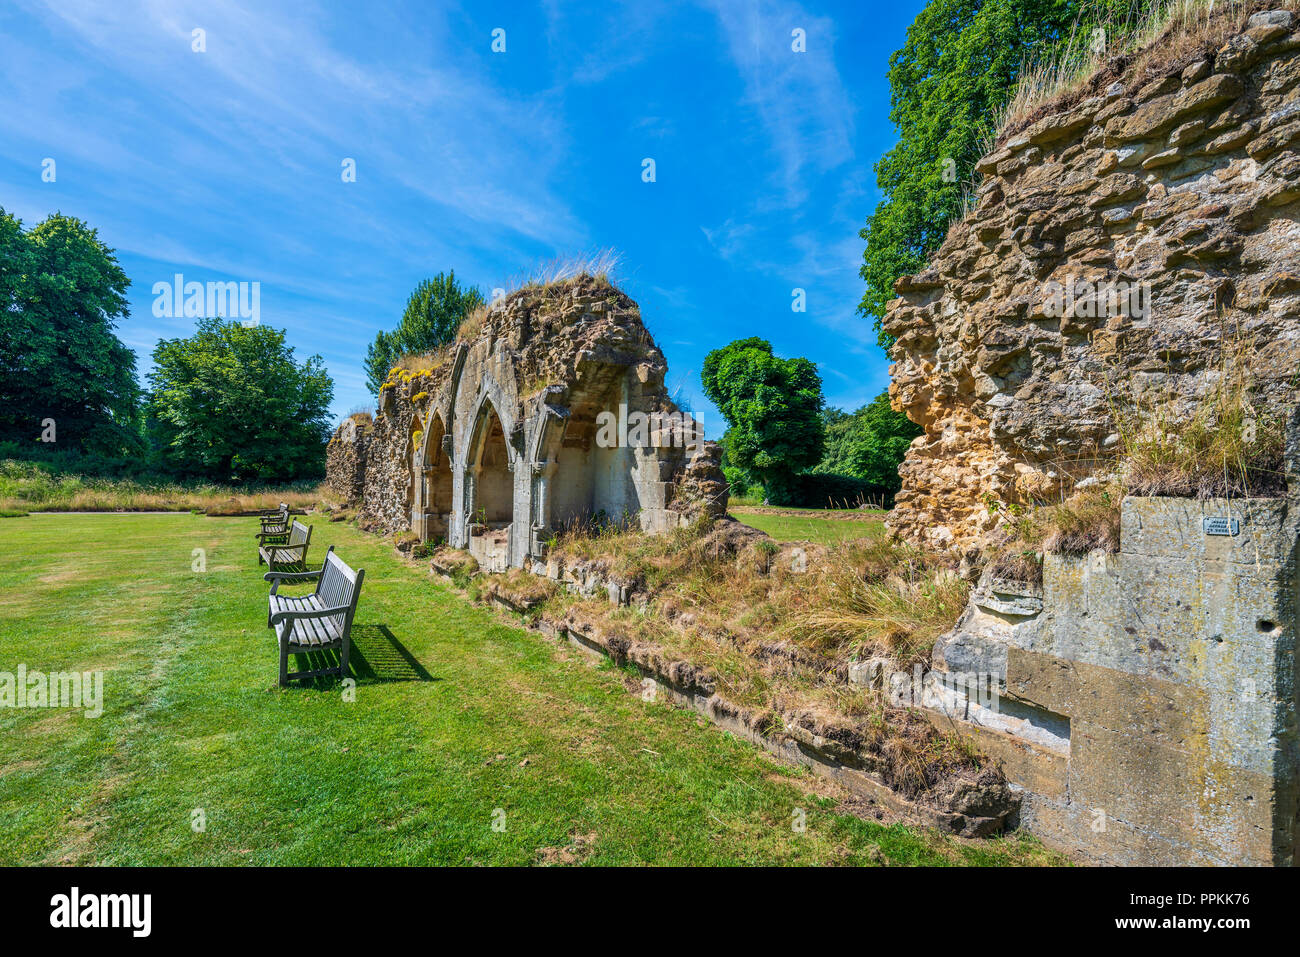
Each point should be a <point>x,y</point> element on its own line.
<point>1143,703</point>
<point>496,445</point>
<point>1119,246</point>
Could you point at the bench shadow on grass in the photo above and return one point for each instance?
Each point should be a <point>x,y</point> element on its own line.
<point>376,657</point>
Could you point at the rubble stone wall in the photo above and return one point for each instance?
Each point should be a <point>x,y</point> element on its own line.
<point>1119,249</point>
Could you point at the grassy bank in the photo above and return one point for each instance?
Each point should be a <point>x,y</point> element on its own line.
<point>459,720</point>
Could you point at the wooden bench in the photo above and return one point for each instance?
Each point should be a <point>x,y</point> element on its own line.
<point>318,621</point>
<point>291,554</point>
<point>275,522</point>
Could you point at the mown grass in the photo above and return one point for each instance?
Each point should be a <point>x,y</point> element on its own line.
<point>457,714</point>
<point>810,528</point>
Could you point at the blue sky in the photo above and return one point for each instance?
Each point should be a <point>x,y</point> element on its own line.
<point>225,165</point>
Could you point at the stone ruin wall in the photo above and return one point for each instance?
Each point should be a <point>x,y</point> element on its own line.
<point>1187,181</point>
<point>493,447</point>
<point>1144,704</point>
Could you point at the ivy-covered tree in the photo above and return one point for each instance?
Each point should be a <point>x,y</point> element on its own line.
<point>772,407</point>
<point>868,444</point>
<point>231,404</point>
<point>433,313</point>
<point>957,69</point>
<point>62,294</point>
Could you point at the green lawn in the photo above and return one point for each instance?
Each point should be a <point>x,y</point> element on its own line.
<point>810,527</point>
<point>457,714</point>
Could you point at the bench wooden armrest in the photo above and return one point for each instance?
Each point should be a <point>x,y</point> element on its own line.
<point>279,578</point>
<point>280,616</point>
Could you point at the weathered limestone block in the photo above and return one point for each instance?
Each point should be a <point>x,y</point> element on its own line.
<point>1184,188</point>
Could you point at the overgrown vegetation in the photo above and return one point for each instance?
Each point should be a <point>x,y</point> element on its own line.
<point>1221,444</point>
<point>1140,40</point>
<point>777,625</point>
<point>1226,449</point>
<point>36,487</point>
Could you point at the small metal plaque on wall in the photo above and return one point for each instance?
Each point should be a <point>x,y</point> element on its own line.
<point>1221,526</point>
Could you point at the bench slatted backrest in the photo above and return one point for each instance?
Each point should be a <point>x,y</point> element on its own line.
<point>300,534</point>
<point>338,588</point>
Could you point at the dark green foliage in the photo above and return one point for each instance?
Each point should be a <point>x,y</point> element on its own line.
<point>828,490</point>
<point>433,313</point>
<point>772,407</point>
<point>61,296</point>
<point>231,404</point>
<point>957,69</point>
<point>737,480</point>
<point>869,444</point>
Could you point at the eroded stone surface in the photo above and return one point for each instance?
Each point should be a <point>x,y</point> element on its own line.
<point>1188,186</point>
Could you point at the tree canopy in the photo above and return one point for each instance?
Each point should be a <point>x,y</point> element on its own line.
<point>957,69</point>
<point>868,444</point>
<point>230,403</point>
<point>433,314</point>
<point>772,407</point>
<point>62,294</point>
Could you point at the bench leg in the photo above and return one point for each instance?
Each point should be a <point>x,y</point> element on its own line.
<point>284,661</point>
<point>344,672</point>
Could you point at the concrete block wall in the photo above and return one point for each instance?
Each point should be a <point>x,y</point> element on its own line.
<point>1148,699</point>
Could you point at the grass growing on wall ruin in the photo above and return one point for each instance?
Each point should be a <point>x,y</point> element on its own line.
<point>1164,35</point>
<point>1226,443</point>
<point>777,626</point>
<point>457,714</point>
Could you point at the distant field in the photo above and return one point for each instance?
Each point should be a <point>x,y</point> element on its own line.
<point>29,487</point>
<point>812,525</point>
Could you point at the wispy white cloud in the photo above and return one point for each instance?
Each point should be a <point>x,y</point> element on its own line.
<point>799,98</point>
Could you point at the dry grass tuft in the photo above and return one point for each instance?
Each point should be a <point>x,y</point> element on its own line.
<point>597,270</point>
<point>879,597</point>
<point>1086,520</point>
<point>1163,39</point>
<point>1226,450</point>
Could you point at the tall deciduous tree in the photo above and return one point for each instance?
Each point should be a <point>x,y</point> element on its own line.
<point>868,444</point>
<point>432,316</point>
<point>62,294</point>
<point>230,403</point>
<point>772,407</point>
<point>957,69</point>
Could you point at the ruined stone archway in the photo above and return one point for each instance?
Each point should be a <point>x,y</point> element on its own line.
<point>489,491</point>
<point>599,481</point>
<point>434,520</point>
<point>414,489</point>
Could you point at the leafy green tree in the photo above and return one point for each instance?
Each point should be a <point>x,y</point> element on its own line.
<point>958,67</point>
<point>230,403</point>
<point>772,407</point>
<point>433,314</point>
<point>61,296</point>
<point>869,444</point>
